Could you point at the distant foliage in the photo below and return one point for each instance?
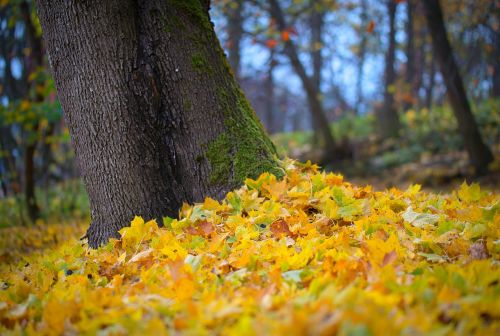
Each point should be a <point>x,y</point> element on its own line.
<point>424,132</point>
<point>62,202</point>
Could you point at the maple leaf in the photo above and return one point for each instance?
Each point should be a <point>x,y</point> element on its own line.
<point>280,228</point>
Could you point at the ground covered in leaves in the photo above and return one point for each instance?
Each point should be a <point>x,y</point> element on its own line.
<point>311,254</point>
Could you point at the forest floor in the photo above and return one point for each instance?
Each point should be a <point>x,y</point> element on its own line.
<point>436,172</point>
<point>311,254</point>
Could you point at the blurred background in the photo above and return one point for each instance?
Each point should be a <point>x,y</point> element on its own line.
<point>356,86</point>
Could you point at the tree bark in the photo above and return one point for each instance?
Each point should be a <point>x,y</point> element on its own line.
<point>315,106</point>
<point>269,90</point>
<point>388,119</point>
<point>421,36</point>
<point>361,55</point>
<point>410,50</point>
<point>495,88</point>
<point>29,182</point>
<point>316,25</point>
<point>317,20</point>
<point>479,154</point>
<point>33,61</point>
<point>155,115</point>
<point>235,33</point>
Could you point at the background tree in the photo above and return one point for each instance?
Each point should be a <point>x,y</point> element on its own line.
<point>318,115</point>
<point>388,119</point>
<point>366,27</point>
<point>479,154</point>
<point>156,117</point>
<point>234,12</point>
<point>410,53</point>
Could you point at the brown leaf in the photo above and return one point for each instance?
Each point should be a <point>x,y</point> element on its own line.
<point>206,228</point>
<point>203,228</point>
<point>280,228</point>
<point>389,258</point>
<point>175,268</point>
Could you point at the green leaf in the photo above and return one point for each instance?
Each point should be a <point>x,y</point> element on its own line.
<point>445,227</point>
<point>433,257</point>
<point>419,220</point>
<point>234,200</point>
<point>293,276</point>
<point>470,193</point>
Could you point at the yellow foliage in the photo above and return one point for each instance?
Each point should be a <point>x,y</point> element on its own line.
<point>310,254</point>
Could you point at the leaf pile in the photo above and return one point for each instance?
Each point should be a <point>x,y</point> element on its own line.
<point>17,242</point>
<point>310,254</point>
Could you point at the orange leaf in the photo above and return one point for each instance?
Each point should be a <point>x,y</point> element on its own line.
<point>176,269</point>
<point>203,228</point>
<point>285,36</point>
<point>389,258</point>
<point>371,27</point>
<point>206,228</point>
<point>271,43</point>
<point>280,228</point>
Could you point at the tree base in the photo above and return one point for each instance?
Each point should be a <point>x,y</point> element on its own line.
<point>98,235</point>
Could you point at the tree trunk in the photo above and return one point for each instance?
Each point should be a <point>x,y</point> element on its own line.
<point>479,154</point>
<point>155,115</point>
<point>29,182</point>
<point>421,35</point>
<point>318,114</point>
<point>388,119</point>
<point>10,176</point>
<point>316,25</point>
<point>317,18</point>
<point>235,32</point>
<point>495,90</point>
<point>269,90</point>
<point>361,56</point>
<point>34,61</point>
<point>410,51</point>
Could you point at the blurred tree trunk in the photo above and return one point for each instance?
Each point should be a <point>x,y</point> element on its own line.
<point>9,176</point>
<point>235,33</point>
<point>316,25</point>
<point>11,89</point>
<point>410,51</point>
<point>361,55</point>
<point>420,46</point>
<point>156,116</point>
<point>46,154</point>
<point>269,89</point>
<point>479,154</point>
<point>34,61</point>
<point>496,62</point>
<point>317,21</point>
<point>388,119</point>
<point>317,111</point>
